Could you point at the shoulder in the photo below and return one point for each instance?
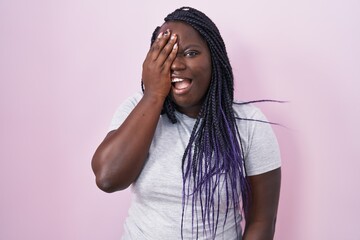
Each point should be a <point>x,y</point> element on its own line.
<point>130,102</point>
<point>133,99</point>
<point>124,110</point>
<point>261,150</point>
<point>246,111</point>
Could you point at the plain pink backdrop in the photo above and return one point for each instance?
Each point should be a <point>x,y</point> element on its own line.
<point>66,65</point>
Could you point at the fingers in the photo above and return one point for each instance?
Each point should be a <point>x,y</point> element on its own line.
<point>171,57</point>
<point>167,49</point>
<point>163,47</point>
<point>157,45</point>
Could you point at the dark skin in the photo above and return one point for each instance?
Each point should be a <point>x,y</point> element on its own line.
<point>261,218</point>
<point>119,159</point>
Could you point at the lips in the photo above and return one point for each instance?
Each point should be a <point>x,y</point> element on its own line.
<point>180,85</point>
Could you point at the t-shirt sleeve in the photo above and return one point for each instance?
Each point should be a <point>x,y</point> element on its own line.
<point>123,111</point>
<point>262,152</point>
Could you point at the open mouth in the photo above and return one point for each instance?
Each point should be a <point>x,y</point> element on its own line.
<point>180,83</point>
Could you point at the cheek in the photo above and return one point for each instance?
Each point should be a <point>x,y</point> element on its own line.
<point>205,75</point>
<point>206,68</point>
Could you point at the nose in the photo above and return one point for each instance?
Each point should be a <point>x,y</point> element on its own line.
<point>178,64</point>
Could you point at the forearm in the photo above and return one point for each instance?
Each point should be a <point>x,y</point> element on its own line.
<point>120,157</point>
<point>259,230</point>
<point>261,216</point>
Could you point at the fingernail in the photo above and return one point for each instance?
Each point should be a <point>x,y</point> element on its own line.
<point>175,46</point>
<point>160,35</point>
<point>173,36</point>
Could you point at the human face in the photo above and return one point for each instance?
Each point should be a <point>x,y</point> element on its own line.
<point>191,69</point>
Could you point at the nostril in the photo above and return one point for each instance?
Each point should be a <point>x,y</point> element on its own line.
<point>178,64</point>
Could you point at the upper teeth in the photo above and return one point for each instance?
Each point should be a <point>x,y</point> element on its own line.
<point>177,80</point>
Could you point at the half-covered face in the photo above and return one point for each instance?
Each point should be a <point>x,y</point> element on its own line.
<point>191,69</point>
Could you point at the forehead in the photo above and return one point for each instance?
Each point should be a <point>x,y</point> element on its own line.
<point>186,34</point>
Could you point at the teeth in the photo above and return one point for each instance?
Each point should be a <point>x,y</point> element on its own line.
<point>177,80</point>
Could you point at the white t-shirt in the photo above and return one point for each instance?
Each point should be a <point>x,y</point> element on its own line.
<point>156,208</point>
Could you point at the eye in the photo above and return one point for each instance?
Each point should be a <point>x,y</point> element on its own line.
<point>191,53</point>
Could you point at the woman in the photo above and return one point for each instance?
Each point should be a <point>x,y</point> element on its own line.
<point>193,170</point>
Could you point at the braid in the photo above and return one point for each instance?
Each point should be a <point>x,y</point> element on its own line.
<point>214,149</point>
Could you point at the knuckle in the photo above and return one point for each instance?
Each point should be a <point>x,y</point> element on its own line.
<point>163,70</point>
<point>146,61</point>
<point>155,47</point>
<point>165,50</point>
<point>170,59</point>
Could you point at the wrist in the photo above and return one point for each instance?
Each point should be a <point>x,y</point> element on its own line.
<point>154,98</point>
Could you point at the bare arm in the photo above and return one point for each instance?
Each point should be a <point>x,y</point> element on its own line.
<point>261,219</point>
<point>120,157</point>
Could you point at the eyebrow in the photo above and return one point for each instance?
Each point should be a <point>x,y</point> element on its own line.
<point>192,46</point>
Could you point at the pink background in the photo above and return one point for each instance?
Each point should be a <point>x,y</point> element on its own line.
<point>66,65</point>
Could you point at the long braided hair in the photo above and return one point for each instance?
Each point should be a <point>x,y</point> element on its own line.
<point>214,150</point>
